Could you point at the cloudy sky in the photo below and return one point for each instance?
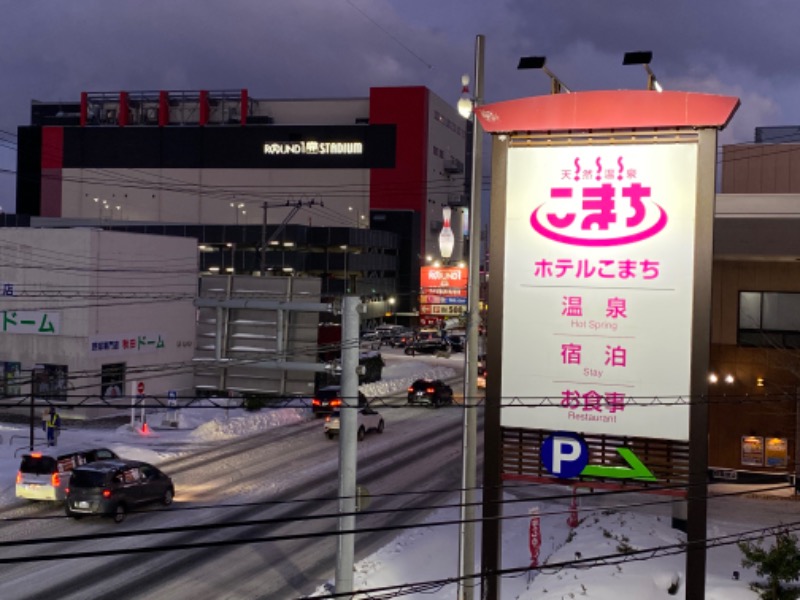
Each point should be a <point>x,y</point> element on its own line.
<point>340,48</point>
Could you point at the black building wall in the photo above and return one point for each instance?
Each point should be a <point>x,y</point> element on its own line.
<point>406,225</point>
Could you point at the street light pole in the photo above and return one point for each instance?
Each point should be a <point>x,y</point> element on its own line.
<point>346,274</point>
<point>470,422</point>
<point>264,240</point>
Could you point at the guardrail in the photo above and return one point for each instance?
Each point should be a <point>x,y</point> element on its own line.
<point>25,437</point>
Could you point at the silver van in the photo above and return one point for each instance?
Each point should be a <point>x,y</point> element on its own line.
<point>45,475</point>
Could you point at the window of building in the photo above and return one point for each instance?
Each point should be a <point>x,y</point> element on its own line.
<point>50,381</point>
<point>112,380</point>
<point>769,320</point>
<point>12,378</point>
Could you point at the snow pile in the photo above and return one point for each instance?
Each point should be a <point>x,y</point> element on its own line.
<point>386,387</point>
<point>222,428</point>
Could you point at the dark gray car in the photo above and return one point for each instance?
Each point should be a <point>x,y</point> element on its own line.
<point>113,487</point>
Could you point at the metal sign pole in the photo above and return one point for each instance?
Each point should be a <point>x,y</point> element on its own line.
<point>348,426</point>
<point>466,587</point>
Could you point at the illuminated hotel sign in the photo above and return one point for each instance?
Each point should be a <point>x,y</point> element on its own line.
<point>313,148</point>
<point>598,287</point>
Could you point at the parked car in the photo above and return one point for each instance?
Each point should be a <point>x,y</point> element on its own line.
<point>45,475</point>
<point>329,399</point>
<point>368,420</point>
<point>433,392</point>
<point>370,340</point>
<point>401,338</point>
<point>457,341</point>
<point>431,345</point>
<point>386,332</point>
<point>112,487</point>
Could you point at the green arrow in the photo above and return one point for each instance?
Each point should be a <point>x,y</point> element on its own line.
<point>637,469</point>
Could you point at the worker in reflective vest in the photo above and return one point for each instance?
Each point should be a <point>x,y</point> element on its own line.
<point>51,424</point>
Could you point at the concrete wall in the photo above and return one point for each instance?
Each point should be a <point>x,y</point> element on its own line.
<point>204,196</point>
<point>332,111</point>
<point>446,143</point>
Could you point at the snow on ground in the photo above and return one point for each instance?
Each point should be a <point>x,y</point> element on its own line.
<point>429,553</point>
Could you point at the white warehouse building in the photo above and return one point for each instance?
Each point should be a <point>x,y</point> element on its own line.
<point>91,317</point>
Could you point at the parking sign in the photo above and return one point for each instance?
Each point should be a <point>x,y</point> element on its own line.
<point>565,454</point>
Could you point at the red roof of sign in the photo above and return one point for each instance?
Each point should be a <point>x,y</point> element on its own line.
<point>607,109</point>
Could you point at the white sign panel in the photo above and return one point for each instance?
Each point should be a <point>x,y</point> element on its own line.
<point>129,343</point>
<point>38,322</point>
<point>598,288</point>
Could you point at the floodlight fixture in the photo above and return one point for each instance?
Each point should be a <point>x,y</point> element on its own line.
<point>538,62</point>
<point>643,58</point>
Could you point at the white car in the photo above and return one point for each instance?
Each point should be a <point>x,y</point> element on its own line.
<point>368,420</point>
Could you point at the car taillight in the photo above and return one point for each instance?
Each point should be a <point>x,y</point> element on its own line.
<point>106,493</point>
<point>66,491</point>
<point>430,390</point>
<point>336,402</point>
<point>315,402</point>
<point>55,480</point>
<point>19,477</point>
<point>411,389</point>
<point>36,455</point>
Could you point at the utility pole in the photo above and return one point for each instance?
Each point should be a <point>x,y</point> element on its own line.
<point>264,240</point>
<point>796,437</point>
<point>466,587</point>
<point>32,407</point>
<point>348,426</point>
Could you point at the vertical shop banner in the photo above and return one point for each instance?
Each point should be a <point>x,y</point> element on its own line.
<point>598,288</point>
<point>535,536</point>
<point>443,291</point>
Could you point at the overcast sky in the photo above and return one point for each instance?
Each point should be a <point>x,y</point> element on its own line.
<point>340,48</point>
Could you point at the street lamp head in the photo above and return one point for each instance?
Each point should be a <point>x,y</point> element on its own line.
<point>643,58</point>
<point>538,62</point>
<point>531,62</point>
